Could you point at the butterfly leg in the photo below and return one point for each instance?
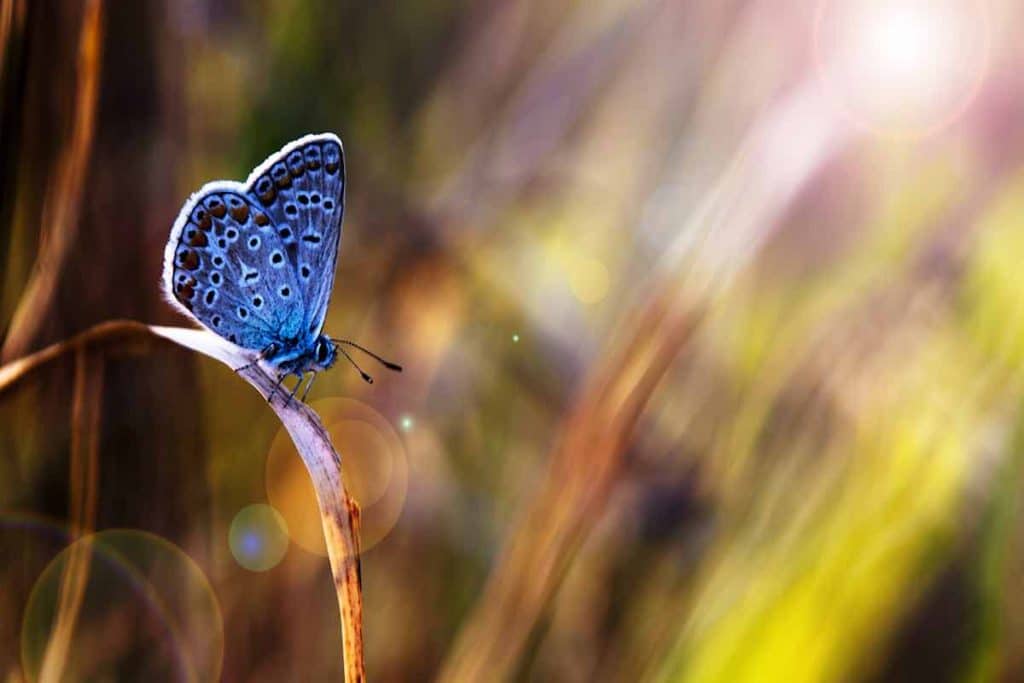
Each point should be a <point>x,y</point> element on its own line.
<point>308,386</point>
<point>268,351</point>
<point>277,386</point>
<point>298,384</point>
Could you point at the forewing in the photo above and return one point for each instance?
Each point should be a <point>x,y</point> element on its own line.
<point>227,266</point>
<point>302,189</point>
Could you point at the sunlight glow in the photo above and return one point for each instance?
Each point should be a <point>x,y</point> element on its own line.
<point>904,67</point>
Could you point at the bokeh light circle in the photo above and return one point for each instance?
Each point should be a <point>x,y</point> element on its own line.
<point>902,68</point>
<point>146,612</point>
<point>258,537</point>
<point>374,467</point>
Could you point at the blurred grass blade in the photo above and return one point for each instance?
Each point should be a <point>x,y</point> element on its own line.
<point>64,196</point>
<point>86,410</point>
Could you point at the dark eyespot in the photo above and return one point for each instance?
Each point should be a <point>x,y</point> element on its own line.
<point>332,158</point>
<point>211,296</point>
<point>315,198</point>
<point>215,278</point>
<point>254,242</point>
<point>187,259</point>
<point>231,233</point>
<point>305,271</point>
<point>303,199</point>
<point>312,239</point>
<point>265,190</point>
<point>276,257</point>
<point>243,312</point>
<point>218,261</point>
<point>328,204</point>
<point>251,275</point>
<point>268,194</point>
<point>222,243</point>
<point>312,158</point>
<point>291,209</point>
<point>216,321</point>
<point>295,164</point>
<point>332,153</point>
<point>196,238</point>
<point>281,175</point>
<point>285,292</point>
<point>285,233</point>
<point>216,207</point>
<point>257,301</point>
<point>233,339</point>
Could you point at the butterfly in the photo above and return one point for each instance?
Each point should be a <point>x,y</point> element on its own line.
<point>254,262</point>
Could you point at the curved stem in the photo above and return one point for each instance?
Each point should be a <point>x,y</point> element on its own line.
<point>339,513</point>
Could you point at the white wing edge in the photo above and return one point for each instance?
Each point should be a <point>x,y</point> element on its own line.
<point>287,149</point>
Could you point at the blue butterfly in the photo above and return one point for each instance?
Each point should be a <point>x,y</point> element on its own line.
<point>254,262</point>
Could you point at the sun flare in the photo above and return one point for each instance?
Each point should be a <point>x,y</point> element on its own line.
<point>904,68</point>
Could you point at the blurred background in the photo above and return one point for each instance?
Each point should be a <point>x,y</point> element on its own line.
<point>712,315</point>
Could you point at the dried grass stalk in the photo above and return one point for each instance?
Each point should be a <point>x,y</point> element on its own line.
<point>86,409</point>
<point>64,196</point>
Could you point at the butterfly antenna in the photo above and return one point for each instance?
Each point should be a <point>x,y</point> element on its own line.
<point>364,375</point>
<point>388,364</point>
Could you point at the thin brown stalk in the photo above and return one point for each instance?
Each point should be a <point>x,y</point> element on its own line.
<point>338,511</point>
<point>7,10</point>
<point>103,334</point>
<point>339,514</point>
<point>63,200</point>
<point>584,466</point>
<point>86,409</point>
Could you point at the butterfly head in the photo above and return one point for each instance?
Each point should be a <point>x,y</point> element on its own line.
<point>325,352</point>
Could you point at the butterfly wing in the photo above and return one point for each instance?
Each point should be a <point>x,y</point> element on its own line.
<point>302,189</point>
<point>227,267</point>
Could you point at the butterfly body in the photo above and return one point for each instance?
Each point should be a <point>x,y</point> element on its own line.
<point>254,262</point>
